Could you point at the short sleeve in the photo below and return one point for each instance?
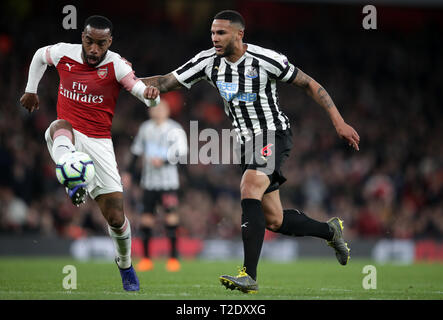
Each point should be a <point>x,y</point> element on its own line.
<point>281,68</point>
<point>194,70</point>
<point>122,67</point>
<point>55,52</point>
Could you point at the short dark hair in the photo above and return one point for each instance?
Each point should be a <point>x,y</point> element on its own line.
<point>231,15</point>
<point>99,22</point>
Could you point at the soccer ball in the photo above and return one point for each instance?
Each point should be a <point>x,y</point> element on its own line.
<point>75,168</point>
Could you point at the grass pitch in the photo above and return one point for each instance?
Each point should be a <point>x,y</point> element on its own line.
<point>42,279</point>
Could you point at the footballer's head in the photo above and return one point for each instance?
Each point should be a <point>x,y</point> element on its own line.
<point>227,31</point>
<point>160,113</point>
<point>96,39</point>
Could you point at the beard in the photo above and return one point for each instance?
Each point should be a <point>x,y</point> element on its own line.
<point>229,50</point>
<point>95,58</point>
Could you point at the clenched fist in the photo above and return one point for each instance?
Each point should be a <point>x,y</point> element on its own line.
<point>30,101</point>
<point>151,92</point>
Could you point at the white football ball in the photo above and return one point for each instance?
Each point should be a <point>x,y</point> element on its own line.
<point>75,168</point>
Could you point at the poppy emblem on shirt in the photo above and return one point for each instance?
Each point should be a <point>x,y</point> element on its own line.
<point>102,72</point>
<point>266,150</point>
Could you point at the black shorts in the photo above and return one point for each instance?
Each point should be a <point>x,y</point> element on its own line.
<point>167,199</point>
<point>267,153</point>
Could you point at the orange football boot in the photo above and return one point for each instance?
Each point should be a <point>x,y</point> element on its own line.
<point>173,265</point>
<point>145,264</point>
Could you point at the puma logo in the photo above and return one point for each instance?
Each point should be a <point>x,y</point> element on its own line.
<point>69,66</point>
<point>244,225</point>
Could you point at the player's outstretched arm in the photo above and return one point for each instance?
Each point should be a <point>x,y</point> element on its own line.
<point>164,83</point>
<point>38,66</point>
<point>321,96</point>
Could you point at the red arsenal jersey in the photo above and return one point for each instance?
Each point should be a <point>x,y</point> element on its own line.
<point>87,95</point>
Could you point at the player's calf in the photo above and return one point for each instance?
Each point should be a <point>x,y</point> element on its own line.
<point>119,227</point>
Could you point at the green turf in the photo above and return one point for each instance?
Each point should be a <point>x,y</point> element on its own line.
<point>42,278</point>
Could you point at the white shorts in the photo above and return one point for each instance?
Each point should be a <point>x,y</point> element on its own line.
<point>107,178</point>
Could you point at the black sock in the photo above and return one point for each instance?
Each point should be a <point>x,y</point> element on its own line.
<point>253,233</point>
<point>146,237</point>
<point>298,224</point>
<point>171,234</point>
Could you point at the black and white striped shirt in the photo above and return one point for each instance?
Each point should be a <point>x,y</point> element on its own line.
<point>248,86</point>
<point>166,141</point>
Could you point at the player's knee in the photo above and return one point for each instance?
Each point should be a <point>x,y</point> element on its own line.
<point>273,221</point>
<point>172,219</point>
<point>147,220</point>
<point>251,190</point>
<point>253,184</point>
<point>116,220</point>
<point>273,225</point>
<point>112,209</point>
<point>273,216</point>
<point>115,217</point>
<point>59,124</point>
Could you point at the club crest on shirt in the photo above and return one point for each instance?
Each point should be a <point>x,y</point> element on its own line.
<point>251,73</point>
<point>102,72</point>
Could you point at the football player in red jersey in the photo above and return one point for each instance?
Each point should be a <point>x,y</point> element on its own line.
<point>91,77</point>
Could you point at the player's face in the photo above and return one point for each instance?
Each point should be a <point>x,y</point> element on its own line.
<point>224,35</point>
<point>160,112</point>
<point>95,44</point>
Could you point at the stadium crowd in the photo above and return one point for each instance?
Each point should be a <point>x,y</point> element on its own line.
<point>385,83</point>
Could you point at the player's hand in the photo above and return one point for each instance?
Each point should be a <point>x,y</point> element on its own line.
<point>151,92</point>
<point>348,133</point>
<point>30,101</point>
<point>157,162</point>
